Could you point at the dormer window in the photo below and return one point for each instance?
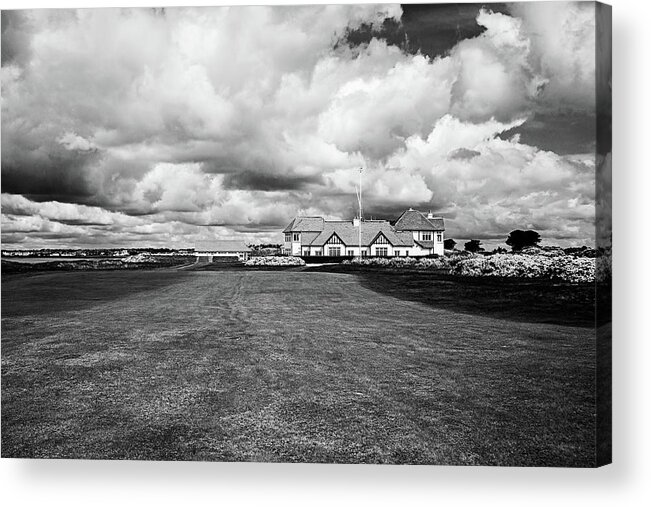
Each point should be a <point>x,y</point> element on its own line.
<point>288,237</point>
<point>427,236</point>
<point>297,236</point>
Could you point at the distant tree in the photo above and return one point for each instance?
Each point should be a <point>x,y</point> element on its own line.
<point>473,246</point>
<point>448,244</point>
<point>518,239</point>
<point>500,250</point>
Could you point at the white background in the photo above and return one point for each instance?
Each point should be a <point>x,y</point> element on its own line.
<point>626,482</point>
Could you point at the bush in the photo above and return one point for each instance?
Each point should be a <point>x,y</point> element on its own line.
<point>558,268</point>
<point>546,251</point>
<point>548,265</point>
<point>139,258</point>
<point>275,261</point>
<point>400,262</point>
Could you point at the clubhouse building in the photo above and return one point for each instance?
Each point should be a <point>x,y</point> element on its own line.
<point>414,234</point>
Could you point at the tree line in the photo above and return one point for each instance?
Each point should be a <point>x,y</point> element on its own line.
<point>517,240</point>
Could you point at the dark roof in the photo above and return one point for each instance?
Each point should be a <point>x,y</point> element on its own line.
<point>424,244</point>
<point>349,234</point>
<point>308,237</point>
<point>221,245</point>
<point>438,223</point>
<point>413,220</point>
<point>305,224</point>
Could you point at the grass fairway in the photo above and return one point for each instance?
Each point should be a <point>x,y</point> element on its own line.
<point>283,366</point>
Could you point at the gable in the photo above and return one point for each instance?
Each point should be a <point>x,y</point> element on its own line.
<point>334,239</point>
<point>381,239</point>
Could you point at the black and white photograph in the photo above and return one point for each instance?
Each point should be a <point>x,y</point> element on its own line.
<point>343,234</point>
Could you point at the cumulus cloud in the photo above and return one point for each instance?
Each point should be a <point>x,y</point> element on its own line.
<point>562,45</point>
<point>495,78</point>
<point>224,120</point>
<point>72,141</point>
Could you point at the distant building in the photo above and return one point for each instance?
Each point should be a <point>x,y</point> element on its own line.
<point>414,234</point>
<point>222,248</point>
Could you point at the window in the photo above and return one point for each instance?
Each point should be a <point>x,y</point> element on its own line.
<point>297,236</point>
<point>426,236</point>
<point>364,253</point>
<point>334,240</point>
<point>318,252</point>
<point>306,251</point>
<point>381,240</point>
<point>288,237</point>
<point>382,251</point>
<point>406,253</point>
<point>334,251</point>
<point>396,253</point>
<point>439,236</point>
<point>351,253</point>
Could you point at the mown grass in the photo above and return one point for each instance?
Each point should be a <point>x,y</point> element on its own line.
<point>283,366</point>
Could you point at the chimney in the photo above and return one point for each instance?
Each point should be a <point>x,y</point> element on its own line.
<point>355,222</point>
<point>429,215</point>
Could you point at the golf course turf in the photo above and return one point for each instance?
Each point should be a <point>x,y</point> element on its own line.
<point>298,366</point>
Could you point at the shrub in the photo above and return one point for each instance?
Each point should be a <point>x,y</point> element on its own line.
<point>400,262</point>
<point>550,265</point>
<point>558,268</point>
<point>275,261</point>
<point>139,258</point>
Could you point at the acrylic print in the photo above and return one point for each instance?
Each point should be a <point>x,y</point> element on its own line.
<point>341,234</point>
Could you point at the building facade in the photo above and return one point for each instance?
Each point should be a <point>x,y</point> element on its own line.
<point>414,234</point>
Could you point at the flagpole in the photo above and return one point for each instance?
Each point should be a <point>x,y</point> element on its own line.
<point>359,200</point>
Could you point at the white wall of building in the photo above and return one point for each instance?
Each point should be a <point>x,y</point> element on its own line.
<point>295,248</point>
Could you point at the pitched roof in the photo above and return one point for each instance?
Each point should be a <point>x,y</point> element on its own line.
<point>305,224</point>
<point>438,223</point>
<point>349,234</point>
<point>221,245</point>
<point>413,220</point>
<point>424,244</point>
<point>308,237</point>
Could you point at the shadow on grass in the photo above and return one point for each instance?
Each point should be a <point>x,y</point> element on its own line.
<point>523,301</point>
<point>25,294</point>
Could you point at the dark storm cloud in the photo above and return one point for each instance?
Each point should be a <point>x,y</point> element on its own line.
<point>249,180</point>
<point>435,29</point>
<point>15,38</point>
<point>80,222</point>
<point>168,125</point>
<point>431,30</point>
<point>562,133</point>
<point>47,175</point>
<point>391,31</point>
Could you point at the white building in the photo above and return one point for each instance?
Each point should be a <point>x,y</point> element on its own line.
<point>222,248</point>
<point>414,234</point>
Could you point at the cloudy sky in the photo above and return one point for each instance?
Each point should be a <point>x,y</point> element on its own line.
<point>162,127</point>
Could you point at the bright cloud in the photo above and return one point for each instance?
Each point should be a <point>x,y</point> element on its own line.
<point>155,126</point>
